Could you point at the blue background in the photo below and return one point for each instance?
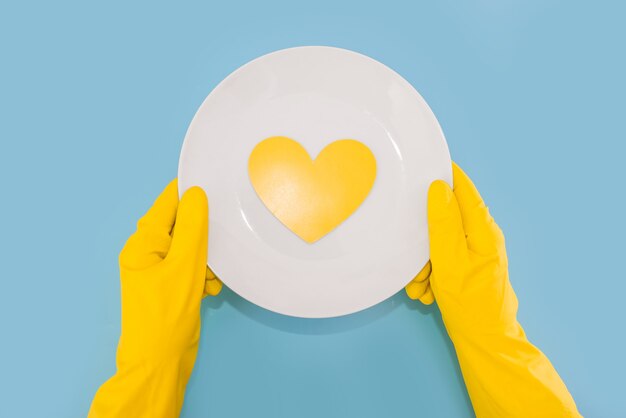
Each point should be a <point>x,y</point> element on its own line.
<point>95,100</point>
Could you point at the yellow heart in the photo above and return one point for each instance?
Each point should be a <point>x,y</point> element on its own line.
<point>311,197</point>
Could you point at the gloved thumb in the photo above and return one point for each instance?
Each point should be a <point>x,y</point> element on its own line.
<point>190,234</point>
<point>448,246</point>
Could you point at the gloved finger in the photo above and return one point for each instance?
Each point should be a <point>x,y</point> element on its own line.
<point>416,287</point>
<point>424,273</point>
<point>151,241</point>
<point>416,290</point>
<point>209,274</point>
<point>212,287</point>
<point>483,234</point>
<point>428,297</point>
<point>448,247</point>
<point>190,235</point>
<point>212,284</point>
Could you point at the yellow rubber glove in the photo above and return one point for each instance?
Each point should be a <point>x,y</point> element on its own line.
<point>163,276</point>
<point>505,375</point>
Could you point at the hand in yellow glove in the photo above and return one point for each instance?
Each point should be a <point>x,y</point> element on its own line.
<point>505,375</point>
<point>163,276</point>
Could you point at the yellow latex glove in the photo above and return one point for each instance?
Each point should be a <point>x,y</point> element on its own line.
<point>505,375</point>
<point>163,277</point>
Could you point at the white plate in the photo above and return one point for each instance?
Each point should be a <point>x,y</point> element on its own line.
<point>316,95</point>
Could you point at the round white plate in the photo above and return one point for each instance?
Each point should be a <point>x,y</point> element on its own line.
<point>316,95</point>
